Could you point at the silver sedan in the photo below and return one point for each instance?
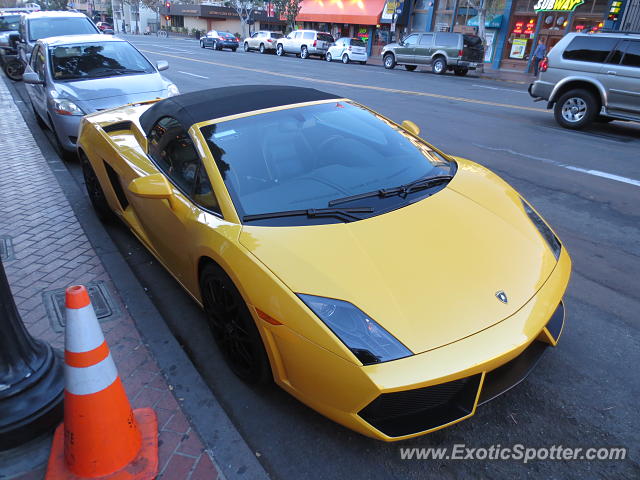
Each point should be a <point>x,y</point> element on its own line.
<point>70,76</point>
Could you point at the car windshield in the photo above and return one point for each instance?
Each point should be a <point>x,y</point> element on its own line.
<point>302,158</point>
<point>276,35</point>
<point>53,27</point>
<point>99,59</point>
<point>9,23</point>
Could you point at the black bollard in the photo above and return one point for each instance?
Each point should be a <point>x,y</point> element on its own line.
<point>31,377</point>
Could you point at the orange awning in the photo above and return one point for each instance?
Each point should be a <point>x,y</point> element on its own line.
<point>358,12</point>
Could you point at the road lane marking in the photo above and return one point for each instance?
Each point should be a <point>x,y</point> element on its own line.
<point>498,88</point>
<point>595,173</point>
<point>192,74</point>
<point>353,85</point>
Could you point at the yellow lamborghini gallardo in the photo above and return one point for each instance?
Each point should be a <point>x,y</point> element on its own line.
<point>385,284</point>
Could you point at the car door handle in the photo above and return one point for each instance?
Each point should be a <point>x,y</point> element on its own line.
<point>611,72</point>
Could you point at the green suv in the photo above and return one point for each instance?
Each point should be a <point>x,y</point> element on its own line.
<point>444,51</point>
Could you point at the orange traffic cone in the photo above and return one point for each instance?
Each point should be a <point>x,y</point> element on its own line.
<point>101,436</point>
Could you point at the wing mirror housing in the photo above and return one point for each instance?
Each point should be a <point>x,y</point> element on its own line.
<point>162,65</point>
<point>410,127</point>
<point>152,186</point>
<point>32,78</point>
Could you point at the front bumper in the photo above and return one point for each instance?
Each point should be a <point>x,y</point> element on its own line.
<point>429,391</point>
<point>67,127</point>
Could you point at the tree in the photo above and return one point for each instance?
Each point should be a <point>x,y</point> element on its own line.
<point>244,9</point>
<point>289,9</point>
<point>56,5</point>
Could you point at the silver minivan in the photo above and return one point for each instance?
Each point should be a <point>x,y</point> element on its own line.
<point>588,77</point>
<point>304,43</point>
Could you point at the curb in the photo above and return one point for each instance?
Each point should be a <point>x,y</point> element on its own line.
<point>231,453</point>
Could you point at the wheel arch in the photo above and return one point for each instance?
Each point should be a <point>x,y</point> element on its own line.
<point>573,83</point>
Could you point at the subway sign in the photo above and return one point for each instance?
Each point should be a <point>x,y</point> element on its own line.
<point>557,5</point>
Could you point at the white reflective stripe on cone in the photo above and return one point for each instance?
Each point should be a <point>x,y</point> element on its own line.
<point>83,381</point>
<point>82,332</point>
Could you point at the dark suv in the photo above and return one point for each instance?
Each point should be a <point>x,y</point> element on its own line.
<point>444,51</point>
<point>590,77</point>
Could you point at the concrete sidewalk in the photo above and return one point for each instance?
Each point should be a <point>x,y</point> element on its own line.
<point>46,250</point>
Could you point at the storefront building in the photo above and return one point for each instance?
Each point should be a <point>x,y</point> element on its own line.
<point>546,20</point>
<point>204,18</point>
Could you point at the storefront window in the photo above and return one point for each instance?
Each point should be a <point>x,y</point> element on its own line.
<point>382,37</point>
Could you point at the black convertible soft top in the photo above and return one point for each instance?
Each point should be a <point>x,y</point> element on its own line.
<point>195,107</point>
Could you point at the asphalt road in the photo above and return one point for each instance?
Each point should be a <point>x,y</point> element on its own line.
<point>586,184</point>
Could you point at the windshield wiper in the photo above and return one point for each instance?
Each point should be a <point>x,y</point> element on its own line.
<point>402,190</point>
<point>344,214</point>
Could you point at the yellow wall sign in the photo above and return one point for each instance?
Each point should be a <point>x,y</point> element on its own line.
<point>557,5</point>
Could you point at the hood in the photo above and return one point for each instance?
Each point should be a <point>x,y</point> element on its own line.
<point>110,92</point>
<point>429,272</point>
<point>390,46</point>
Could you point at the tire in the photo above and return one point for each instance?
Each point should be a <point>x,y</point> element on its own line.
<point>233,327</point>
<point>461,72</point>
<point>14,69</point>
<point>328,57</point>
<point>304,52</point>
<point>576,109</point>
<point>345,59</point>
<point>439,66</point>
<point>201,44</point>
<point>41,123</point>
<point>389,61</point>
<point>280,50</point>
<point>60,150</point>
<point>262,49</point>
<point>246,47</point>
<point>94,190</point>
<point>410,68</point>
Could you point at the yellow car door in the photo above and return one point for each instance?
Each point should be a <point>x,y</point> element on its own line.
<point>169,202</point>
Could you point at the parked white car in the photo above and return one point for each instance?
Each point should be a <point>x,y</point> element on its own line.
<point>348,50</point>
<point>263,41</point>
<point>304,43</point>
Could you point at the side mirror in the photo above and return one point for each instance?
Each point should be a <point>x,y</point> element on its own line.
<point>32,78</point>
<point>410,127</point>
<point>162,65</point>
<point>152,186</point>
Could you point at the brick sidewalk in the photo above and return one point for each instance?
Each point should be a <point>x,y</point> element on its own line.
<point>48,251</point>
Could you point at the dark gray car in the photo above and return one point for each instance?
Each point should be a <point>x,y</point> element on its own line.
<point>590,77</point>
<point>74,75</point>
<point>444,51</point>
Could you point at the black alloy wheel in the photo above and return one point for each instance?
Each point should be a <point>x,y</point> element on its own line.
<point>94,190</point>
<point>232,326</point>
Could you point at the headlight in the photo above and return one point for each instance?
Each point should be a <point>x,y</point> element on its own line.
<point>543,228</point>
<point>66,107</point>
<point>368,341</point>
<point>172,90</point>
